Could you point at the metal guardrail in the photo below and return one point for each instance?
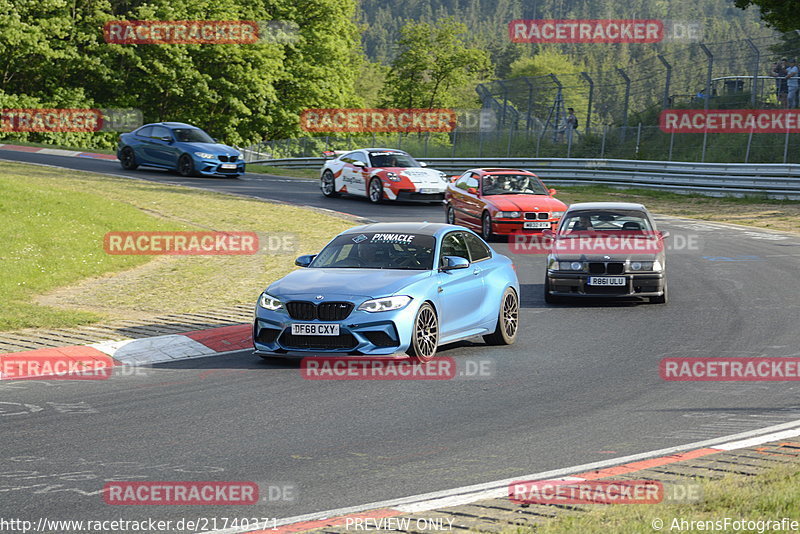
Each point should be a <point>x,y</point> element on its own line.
<point>773,180</point>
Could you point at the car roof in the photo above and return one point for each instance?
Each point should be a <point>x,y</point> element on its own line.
<point>606,206</point>
<point>501,170</point>
<point>423,228</point>
<point>171,125</point>
<point>381,150</point>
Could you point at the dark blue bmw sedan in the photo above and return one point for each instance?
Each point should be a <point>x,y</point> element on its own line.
<point>180,147</point>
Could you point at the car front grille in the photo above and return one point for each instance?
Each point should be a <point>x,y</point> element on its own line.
<point>228,158</point>
<point>606,268</point>
<point>327,311</point>
<point>342,341</point>
<point>533,215</point>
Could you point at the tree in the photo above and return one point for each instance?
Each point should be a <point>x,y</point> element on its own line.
<point>783,15</point>
<point>432,61</point>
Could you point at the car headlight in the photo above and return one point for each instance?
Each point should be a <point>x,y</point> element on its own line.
<point>268,302</point>
<point>570,266</point>
<point>443,176</point>
<point>240,157</point>
<point>509,214</point>
<point>646,266</point>
<point>393,176</point>
<point>204,155</point>
<point>557,214</point>
<point>385,304</point>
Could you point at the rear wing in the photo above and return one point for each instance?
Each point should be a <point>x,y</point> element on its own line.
<point>330,154</point>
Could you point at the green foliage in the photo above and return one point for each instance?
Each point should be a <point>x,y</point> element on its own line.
<point>52,54</point>
<point>432,60</point>
<point>780,14</point>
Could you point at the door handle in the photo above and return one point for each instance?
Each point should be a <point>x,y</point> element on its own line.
<point>476,271</point>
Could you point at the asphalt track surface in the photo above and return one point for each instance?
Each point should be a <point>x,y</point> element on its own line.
<point>580,385</point>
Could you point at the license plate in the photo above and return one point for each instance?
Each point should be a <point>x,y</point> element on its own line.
<point>536,224</point>
<point>607,281</point>
<point>228,165</point>
<point>428,190</point>
<point>315,329</point>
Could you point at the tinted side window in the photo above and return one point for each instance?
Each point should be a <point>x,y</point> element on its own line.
<point>472,181</point>
<point>453,244</point>
<point>477,248</point>
<point>358,156</point>
<point>462,183</point>
<point>350,157</point>
<point>159,132</point>
<point>145,131</point>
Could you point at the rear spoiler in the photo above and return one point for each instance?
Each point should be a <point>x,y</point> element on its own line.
<point>329,154</point>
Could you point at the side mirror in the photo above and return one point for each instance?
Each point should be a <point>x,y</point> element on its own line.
<point>215,139</point>
<point>472,191</point>
<point>359,164</point>
<point>552,192</point>
<point>423,164</point>
<point>454,262</point>
<point>305,260</point>
<point>453,179</point>
<point>664,235</point>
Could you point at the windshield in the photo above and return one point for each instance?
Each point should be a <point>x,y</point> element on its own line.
<point>512,184</point>
<point>192,135</point>
<point>392,159</point>
<point>606,221</point>
<point>370,250</point>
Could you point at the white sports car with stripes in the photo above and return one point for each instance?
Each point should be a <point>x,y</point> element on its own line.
<point>381,174</point>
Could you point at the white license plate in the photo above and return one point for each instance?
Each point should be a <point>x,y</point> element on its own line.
<point>607,281</point>
<point>228,165</point>
<point>536,224</point>
<point>428,190</point>
<point>315,329</point>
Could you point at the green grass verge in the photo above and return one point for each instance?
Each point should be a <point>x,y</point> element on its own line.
<point>771,495</point>
<point>56,273</point>
<point>280,171</point>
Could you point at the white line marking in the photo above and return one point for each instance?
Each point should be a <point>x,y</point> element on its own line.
<point>499,488</point>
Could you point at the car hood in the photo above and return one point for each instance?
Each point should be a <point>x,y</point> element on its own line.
<point>525,203</point>
<point>348,284</point>
<point>217,149</point>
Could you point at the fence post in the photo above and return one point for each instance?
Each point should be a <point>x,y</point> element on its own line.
<point>786,145</point>
<point>530,104</point>
<point>710,56</point>
<point>671,143</point>
<point>427,138</point>
<point>455,135</point>
<point>627,97</point>
<point>510,138</point>
<point>667,80</point>
<point>749,142</point>
<point>570,132</point>
<point>505,101</point>
<point>603,142</point>
<point>638,138</point>
<point>588,127</point>
<point>754,90</point>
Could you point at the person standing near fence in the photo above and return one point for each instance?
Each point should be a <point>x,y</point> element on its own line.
<point>572,123</point>
<point>781,87</point>
<point>793,82</point>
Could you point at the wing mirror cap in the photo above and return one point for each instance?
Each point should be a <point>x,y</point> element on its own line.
<point>454,262</point>
<point>305,260</point>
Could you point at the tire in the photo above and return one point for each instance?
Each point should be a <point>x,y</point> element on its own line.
<point>451,215</point>
<point>662,299</point>
<point>548,297</point>
<point>127,159</point>
<point>375,191</point>
<point>486,227</point>
<point>328,184</point>
<point>507,321</point>
<point>186,166</point>
<point>425,336</point>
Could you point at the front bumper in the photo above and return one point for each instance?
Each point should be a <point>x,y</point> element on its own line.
<point>407,195</point>
<point>576,285</point>
<point>208,167</point>
<point>361,333</point>
<point>513,227</point>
